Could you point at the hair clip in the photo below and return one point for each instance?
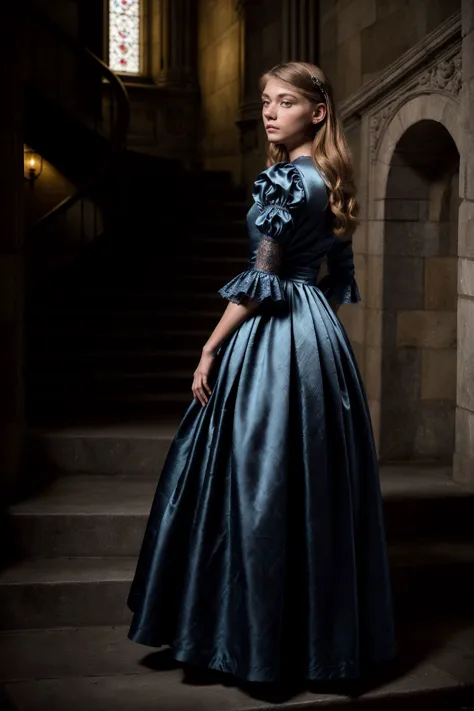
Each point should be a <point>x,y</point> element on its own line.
<point>317,82</point>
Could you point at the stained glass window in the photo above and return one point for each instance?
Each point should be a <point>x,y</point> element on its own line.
<point>124,36</point>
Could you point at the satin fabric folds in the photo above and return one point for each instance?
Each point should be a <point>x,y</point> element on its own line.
<point>264,553</point>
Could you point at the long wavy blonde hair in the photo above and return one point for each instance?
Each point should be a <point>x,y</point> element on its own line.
<point>330,153</point>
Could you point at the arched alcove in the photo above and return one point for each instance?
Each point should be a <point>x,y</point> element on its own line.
<point>419,296</point>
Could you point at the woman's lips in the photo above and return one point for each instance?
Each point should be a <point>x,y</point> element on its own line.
<point>271,128</point>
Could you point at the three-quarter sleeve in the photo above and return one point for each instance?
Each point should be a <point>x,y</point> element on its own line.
<point>279,196</point>
<point>339,285</point>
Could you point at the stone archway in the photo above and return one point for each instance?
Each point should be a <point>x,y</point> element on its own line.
<point>419,297</point>
<point>433,112</point>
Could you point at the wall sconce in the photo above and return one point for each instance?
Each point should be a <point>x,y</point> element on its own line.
<point>33,165</point>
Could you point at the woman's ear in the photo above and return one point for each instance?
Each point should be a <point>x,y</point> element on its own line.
<point>319,113</point>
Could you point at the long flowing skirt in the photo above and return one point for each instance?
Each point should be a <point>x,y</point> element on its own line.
<point>265,548</point>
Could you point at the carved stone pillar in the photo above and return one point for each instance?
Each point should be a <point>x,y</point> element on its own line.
<point>298,41</point>
<point>252,136</point>
<point>299,31</point>
<point>177,43</point>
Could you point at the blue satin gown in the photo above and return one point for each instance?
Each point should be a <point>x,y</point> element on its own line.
<point>264,553</point>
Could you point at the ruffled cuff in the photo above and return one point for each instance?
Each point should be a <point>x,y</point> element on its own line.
<point>255,284</point>
<point>338,292</point>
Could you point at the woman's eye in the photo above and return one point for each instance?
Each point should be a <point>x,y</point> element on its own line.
<point>265,102</point>
<point>286,103</point>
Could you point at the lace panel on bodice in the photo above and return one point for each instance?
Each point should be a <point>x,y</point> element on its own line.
<point>269,255</point>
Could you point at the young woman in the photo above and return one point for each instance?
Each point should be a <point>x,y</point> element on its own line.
<point>264,554</point>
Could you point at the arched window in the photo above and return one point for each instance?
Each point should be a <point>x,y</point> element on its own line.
<point>125,19</point>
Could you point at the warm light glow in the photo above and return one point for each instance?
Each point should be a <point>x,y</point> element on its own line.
<point>33,164</point>
<point>124,36</point>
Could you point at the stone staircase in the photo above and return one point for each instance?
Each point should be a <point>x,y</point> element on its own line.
<point>63,615</point>
<point>77,544</point>
<point>124,340</point>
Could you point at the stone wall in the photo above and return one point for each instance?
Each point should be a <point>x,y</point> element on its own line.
<point>46,192</point>
<point>56,243</point>
<point>219,62</point>
<point>64,13</point>
<point>464,447</point>
<point>359,38</point>
<point>405,131</point>
<point>11,254</point>
<point>164,98</point>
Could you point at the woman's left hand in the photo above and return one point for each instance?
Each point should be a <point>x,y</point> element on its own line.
<point>200,386</point>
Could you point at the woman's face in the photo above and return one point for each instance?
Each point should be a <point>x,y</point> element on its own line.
<point>289,117</point>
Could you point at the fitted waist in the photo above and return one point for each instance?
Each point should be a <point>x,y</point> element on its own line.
<point>301,274</point>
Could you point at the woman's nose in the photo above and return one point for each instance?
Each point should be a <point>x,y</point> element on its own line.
<point>269,112</point>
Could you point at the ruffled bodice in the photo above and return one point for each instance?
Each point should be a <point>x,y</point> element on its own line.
<point>290,236</point>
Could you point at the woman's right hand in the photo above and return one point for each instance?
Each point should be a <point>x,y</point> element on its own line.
<point>200,386</point>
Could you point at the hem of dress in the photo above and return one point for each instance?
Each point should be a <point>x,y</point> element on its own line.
<point>343,671</point>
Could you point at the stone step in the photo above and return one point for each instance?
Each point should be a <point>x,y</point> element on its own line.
<point>201,274</point>
<point>69,652</point>
<point>96,397</point>
<point>419,568</point>
<point>220,227</point>
<point>86,515</point>
<point>127,328</point>
<point>66,383</point>
<point>42,593</point>
<point>141,338</point>
<point>202,283</point>
<point>423,501</point>
<point>154,298</point>
<point>99,668</point>
<point>128,361</point>
<point>107,408</point>
<point>219,245</point>
<point>223,268</point>
<point>66,592</point>
<point>97,515</point>
<point>193,282</point>
<point>50,319</point>
<point>141,304</point>
<point>117,385</point>
<point>210,264</point>
<point>120,448</point>
<point>182,298</point>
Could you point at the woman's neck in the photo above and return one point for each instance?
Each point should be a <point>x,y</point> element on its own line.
<point>305,149</point>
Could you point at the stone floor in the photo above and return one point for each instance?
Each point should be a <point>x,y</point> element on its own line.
<point>69,665</point>
<point>98,668</point>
